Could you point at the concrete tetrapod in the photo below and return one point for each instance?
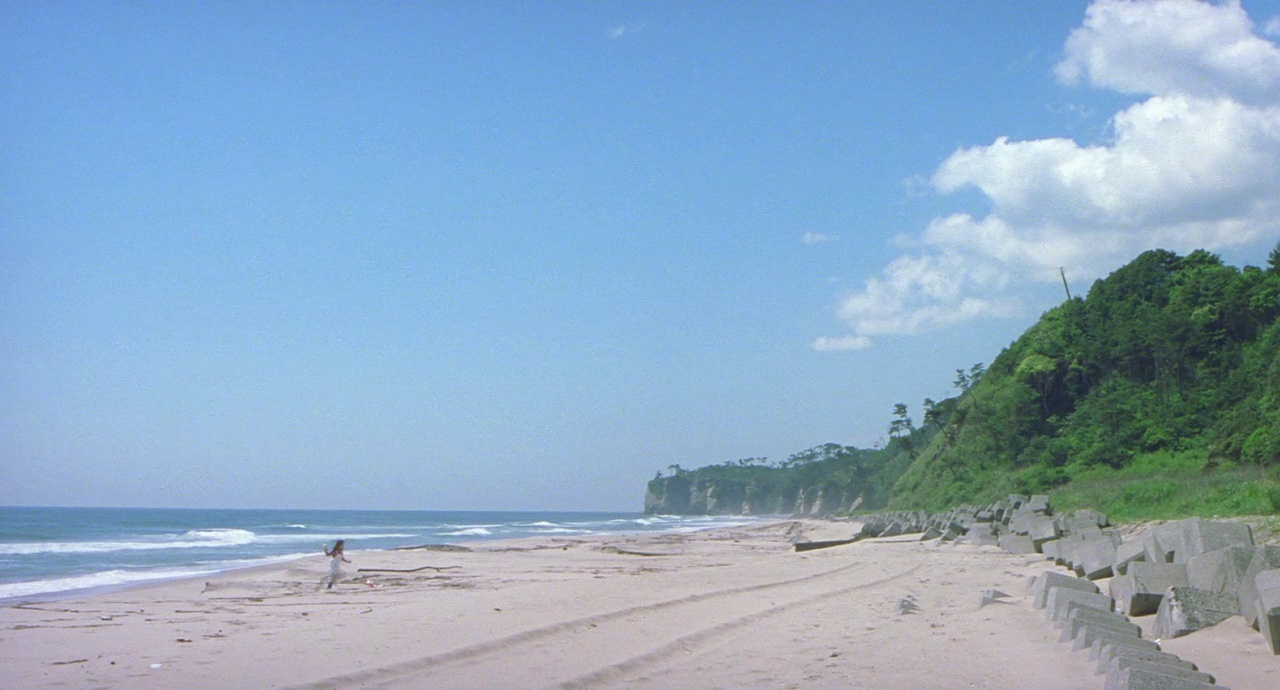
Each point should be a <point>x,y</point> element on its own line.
<point>1185,610</point>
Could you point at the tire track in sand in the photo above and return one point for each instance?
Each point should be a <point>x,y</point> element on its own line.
<point>683,644</point>
<point>417,672</point>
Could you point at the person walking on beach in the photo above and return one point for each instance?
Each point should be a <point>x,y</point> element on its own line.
<point>337,558</point>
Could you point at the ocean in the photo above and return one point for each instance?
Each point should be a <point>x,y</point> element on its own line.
<point>47,553</point>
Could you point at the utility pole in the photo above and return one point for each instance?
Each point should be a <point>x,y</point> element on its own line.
<point>1063,273</point>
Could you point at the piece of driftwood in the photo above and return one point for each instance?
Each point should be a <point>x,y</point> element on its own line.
<point>436,568</point>
<point>811,545</point>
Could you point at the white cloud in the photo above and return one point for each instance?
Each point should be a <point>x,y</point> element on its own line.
<point>1196,165</point>
<point>842,343</point>
<point>919,293</point>
<point>1176,46</point>
<point>619,30</point>
<point>1192,165</point>
<point>817,238</point>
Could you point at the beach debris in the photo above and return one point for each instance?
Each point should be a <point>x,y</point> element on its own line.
<point>634,552</point>
<point>811,545</point>
<point>436,568</point>
<point>432,547</point>
<point>907,605</point>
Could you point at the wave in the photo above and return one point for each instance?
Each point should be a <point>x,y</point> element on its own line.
<point>469,532</point>
<point>300,538</point>
<point>229,537</point>
<point>193,539</point>
<point>117,578</point>
<point>108,578</point>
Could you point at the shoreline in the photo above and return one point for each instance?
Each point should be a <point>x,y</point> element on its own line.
<point>724,607</point>
<point>112,576</point>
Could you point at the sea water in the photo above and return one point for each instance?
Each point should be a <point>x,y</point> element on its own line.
<point>46,553</point>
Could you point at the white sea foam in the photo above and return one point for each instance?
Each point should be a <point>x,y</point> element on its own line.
<point>218,537</point>
<point>469,532</point>
<point>108,578</point>
<point>194,539</point>
<point>304,538</point>
<point>655,520</point>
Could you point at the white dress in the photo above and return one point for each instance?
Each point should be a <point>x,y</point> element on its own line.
<point>335,568</point>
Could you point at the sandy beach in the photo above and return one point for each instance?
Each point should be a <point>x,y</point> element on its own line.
<point>725,608</point>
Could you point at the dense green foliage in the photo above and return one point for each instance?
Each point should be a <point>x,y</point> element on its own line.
<point>1168,357</point>
<point>1157,394</point>
<point>826,478</point>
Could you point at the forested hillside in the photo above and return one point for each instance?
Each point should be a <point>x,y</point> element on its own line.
<point>1158,392</point>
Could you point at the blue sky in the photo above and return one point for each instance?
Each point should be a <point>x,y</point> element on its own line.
<point>517,255</point>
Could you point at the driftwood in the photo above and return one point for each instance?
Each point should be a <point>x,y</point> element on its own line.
<point>811,545</point>
<point>436,568</point>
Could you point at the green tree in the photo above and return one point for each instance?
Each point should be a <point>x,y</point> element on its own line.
<point>901,425</point>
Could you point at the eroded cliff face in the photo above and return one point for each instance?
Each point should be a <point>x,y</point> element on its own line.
<point>680,495</point>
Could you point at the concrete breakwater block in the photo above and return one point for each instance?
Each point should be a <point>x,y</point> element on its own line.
<point>1103,647</point>
<point>1221,570</point>
<point>1140,590</point>
<point>1017,543</point>
<point>1042,529</point>
<point>1062,600</point>
<point>1046,582</point>
<point>1062,550</point>
<point>1082,617</point>
<point>991,596</point>
<point>1167,670</point>
<point>1142,679</point>
<point>1185,610</point>
<point>1093,558</point>
<point>1114,652</point>
<point>1037,503</point>
<point>1127,553</point>
<point>1267,584</point>
<point>1081,520</point>
<point>1089,636</point>
<point>1177,542</point>
<point>1204,536</point>
<point>1265,557</point>
<point>1020,522</point>
<point>1050,549</point>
